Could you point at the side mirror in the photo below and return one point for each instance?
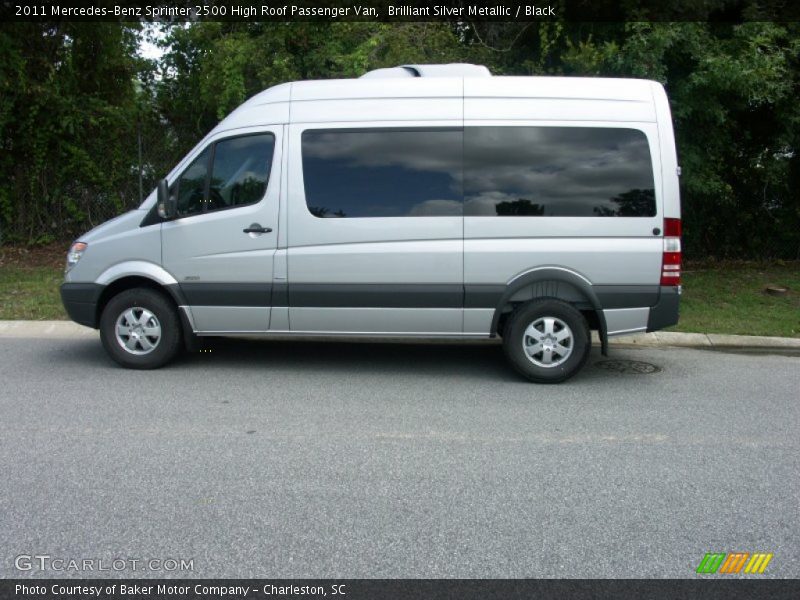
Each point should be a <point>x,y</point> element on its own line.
<point>167,204</point>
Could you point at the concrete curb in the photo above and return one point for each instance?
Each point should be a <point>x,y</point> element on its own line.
<point>708,340</point>
<point>44,329</point>
<point>68,329</point>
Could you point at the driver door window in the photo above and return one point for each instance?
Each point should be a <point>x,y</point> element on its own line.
<point>239,175</point>
<point>192,184</point>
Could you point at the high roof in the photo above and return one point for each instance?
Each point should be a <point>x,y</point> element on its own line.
<point>441,91</point>
<point>587,88</point>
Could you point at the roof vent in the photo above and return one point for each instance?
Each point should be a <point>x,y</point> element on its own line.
<point>451,70</point>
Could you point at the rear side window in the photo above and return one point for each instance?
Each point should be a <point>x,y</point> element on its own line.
<point>239,173</point>
<point>557,172</point>
<point>383,173</point>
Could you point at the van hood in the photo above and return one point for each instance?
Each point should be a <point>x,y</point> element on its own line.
<point>124,222</point>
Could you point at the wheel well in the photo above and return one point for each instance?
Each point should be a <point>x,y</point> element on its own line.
<point>559,290</point>
<point>127,283</point>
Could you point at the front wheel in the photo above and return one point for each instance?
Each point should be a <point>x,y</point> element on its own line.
<point>547,341</point>
<point>140,329</point>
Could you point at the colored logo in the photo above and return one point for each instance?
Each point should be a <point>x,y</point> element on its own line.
<point>720,562</point>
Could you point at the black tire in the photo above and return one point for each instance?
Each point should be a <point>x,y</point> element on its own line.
<point>515,337</point>
<point>164,311</point>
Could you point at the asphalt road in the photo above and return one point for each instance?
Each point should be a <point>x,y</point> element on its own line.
<point>311,459</point>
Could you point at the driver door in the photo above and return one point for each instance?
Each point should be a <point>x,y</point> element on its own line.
<point>220,248</point>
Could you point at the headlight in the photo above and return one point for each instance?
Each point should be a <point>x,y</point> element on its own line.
<point>74,255</point>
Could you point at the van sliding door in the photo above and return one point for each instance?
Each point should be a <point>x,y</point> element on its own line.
<point>376,229</point>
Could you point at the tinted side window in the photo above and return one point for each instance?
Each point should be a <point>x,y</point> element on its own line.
<point>240,172</point>
<point>557,171</point>
<point>239,175</point>
<point>380,173</point>
<point>192,184</point>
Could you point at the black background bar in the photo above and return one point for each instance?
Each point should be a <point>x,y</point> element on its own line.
<point>399,10</point>
<point>732,588</point>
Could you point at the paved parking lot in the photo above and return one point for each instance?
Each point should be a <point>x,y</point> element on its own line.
<point>320,459</point>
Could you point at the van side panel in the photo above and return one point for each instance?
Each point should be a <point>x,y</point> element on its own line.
<point>376,101</point>
<point>670,189</point>
<point>558,99</point>
<point>373,274</point>
<point>618,257</point>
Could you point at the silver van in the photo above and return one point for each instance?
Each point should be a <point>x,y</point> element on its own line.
<point>417,201</point>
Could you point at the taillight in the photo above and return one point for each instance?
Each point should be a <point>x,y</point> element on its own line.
<point>671,258</point>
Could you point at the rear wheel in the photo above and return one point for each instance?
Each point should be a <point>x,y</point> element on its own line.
<point>547,340</point>
<point>140,329</point>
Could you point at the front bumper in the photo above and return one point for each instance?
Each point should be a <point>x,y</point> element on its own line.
<point>80,301</point>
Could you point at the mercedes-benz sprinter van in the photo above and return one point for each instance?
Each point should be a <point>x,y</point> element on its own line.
<point>418,201</point>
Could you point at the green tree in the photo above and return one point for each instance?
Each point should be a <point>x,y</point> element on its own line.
<point>68,117</point>
<point>213,67</point>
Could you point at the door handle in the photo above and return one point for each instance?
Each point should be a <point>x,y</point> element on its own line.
<point>256,228</point>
